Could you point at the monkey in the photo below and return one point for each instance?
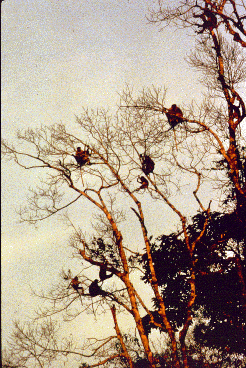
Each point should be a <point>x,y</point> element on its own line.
<point>75,284</point>
<point>94,289</point>
<point>143,181</point>
<point>82,157</point>
<point>103,273</point>
<point>147,164</point>
<point>174,116</point>
<point>209,20</point>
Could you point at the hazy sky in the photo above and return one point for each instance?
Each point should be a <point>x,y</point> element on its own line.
<point>58,56</point>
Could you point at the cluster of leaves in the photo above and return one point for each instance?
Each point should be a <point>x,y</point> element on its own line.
<point>104,252</point>
<point>218,288</point>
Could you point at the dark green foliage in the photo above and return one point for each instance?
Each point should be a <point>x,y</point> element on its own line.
<point>104,252</point>
<point>161,360</point>
<point>218,287</point>
<point>221,335</point>
<point>146,321</point>
<point>172,269</point>
<point>220,297</point>
<point>141,363</point>
<point>221,227</point>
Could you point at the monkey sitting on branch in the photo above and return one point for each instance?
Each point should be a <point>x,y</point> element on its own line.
<point>82,157</point>
<point>209,20</point>
<point>103,273</point>
<point>94,289</point>
<point>147,164</point>
<point>174,116</point>
<point>144,183</point>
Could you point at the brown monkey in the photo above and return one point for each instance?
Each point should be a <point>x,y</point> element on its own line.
<point>209,20</point>
<point>94,289</point>
<point>143,181</point>
<point>103,273</point>
<point>147,164</point>
<point>174,116</point>
<point>82,157</point>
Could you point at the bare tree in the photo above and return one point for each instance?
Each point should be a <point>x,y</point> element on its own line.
<point>118,151</point>
<point>36,344</point>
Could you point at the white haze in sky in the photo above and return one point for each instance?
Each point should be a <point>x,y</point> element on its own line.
<point>58,56</point>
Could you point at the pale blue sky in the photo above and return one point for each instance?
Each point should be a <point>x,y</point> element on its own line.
<point>58,56</point>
